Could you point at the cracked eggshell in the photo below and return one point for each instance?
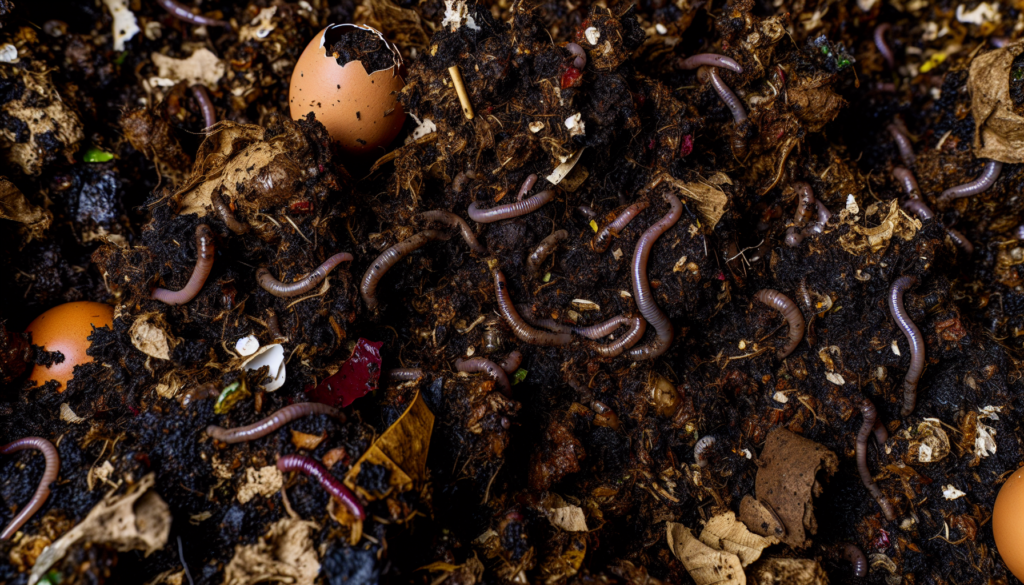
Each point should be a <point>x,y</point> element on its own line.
<point>360,110</point>
<point>271,356</point>
<point>1007,527</point>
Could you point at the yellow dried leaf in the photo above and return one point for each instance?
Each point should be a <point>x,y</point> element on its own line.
<point>306,441</point>
<point>724,532</point>
<point>705,565</point>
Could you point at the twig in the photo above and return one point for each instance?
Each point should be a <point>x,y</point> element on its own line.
<point>460,88</point>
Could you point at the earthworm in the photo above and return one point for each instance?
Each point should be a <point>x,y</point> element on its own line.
<point>226,215</point>
<point>450,219</point>
<point>823,212</point>
<point>272,422</point>
<point>883,47</point>
<point>519,327</point>
<point>914,338</point>
<point>404,374</point>
<point>205,249</point>
<point>312,468</point>
<point>602,329</point>
<point>855,556</point>
<point>867,409</point>
<point>581,56</point>
<point>902,144</point>
<point>526,186</point>
<point>511,362</point>
<point>789,310</point>
<point>43,491</point>
<point>304,284</point>
<point>546,323</point>
<point>807,303</point>
<point>389,258</point>
<point>479,364</point>
<point>587,211</point>
<point>909,182</point>
<point>459,183</point>
<point>881,433</point>
<point>988,176</point>
<point>919,208</point>
<point>604,237</point>
<point>509,210</point>
<point>804,203</point>
<point>637,327</point>
<point>202,96</point>
<point>711,60</point>
<point>960,240</point>
<point>642,287</point>
<point>544,249</point>
<point>705,443</point>
<point>181,12</point>
<point>739,115</point>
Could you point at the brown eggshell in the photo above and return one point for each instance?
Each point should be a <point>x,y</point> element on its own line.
<point>65,328</point>
<point>1008,523</point>
<point>361,112</point>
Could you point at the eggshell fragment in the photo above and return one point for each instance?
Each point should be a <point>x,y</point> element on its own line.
<point>66,328</point>
<point>360,110</point>
<point>271,356</point>
<point>1007,527</point>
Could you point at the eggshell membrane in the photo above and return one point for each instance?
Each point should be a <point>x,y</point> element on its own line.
<point>1008,523</point>
<point>66,328</point>
<point>352,105</point>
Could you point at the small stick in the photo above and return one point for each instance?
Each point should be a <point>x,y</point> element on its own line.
<point>460,88</point>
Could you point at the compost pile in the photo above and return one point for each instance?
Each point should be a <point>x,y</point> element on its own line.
<point>744,221</point>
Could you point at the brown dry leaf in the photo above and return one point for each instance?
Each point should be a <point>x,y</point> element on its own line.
<point>998,131</point>
<point>704,564</point>
<point>760,518</point>
<point>285,554</point>
<point>785,479</point>
<point>47,119</point>
<point>306,441</point>
<point>136,520</point>
<point>402,449</point>
<point>788,572</point>
<point>724,532</point>
<point>861,240</point>
<point>813,101</point>
<point>149,335</point>
<point>709,199</point>
<point>14,206</point>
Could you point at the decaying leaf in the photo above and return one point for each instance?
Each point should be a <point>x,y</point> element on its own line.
<point>402,449</point>
<point>724,532</point>
<point>704,564</point>
<point>14,206</point>
<point>305,440</point>
<point>709,199</point>
<point>564,515</point>
<point>928,444</point>
<point>760,518</point>
<point>999,132</point>
<point>785,480</point>
<point>136,520</point>
<point>285,555</point>
<point>149,335</point>
<point>861,240</point>
<point>788,572</point>
<point>41,125</point>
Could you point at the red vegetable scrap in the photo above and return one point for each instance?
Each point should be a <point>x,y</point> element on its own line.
<point>687,146</point>
<point>571,77</point>
<point>356,378</point>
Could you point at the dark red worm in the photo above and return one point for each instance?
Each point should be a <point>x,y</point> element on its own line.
<point>810,312</point>
<point>789,310</point>
<point>883,47</point>
<point>867,409</point>
<point>902,144</point>
<point>710,59</point>
<point>642,286</point>
<point>450,219</point>
<point>581,56</point>
<point>511,362</point>
<point>304,284</point>
<point>50,472</point>
<point>272,422</point>
<point>855,556</point>
<point>479,364</point>
<point>739,115</point>
<point>459,183</point>
<point>604,237</point>
<point>226,215</point>
<point>205,249</point>
<point>526,186</point>
<point>914,338</point>
<point>389,258</point>
<point>404,374</point>
<point>520,328</point>
<point>543,250</point>
<point>637,327</point>
<point>202,97</point>
<point>510,210</point>
<point>331,484</point>
<point>181,12</point>
<point>988,176</point>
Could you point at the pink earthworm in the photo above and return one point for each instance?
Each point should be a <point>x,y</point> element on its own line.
<point>914,338</point>
<point>637,327</point>
<point>226,215</point>
<point>710,59</point>
<point>511,362</point>
<point>790,311</point>
<point>988,176</point>
<point>543,250</point>
<point>202,97</point>
<point>919,208</point>
<point>545,322</point>
<point>50,472</point>
<point>479,364</point>
<point>909,182</point>
<point>389,258</point>
<point>450,219</point>
<point>205,249</point>
<point>509,210</point>
<point>902,144</point>
<point>960,240</point>
<point>867,409</point>
<point>881,433</point>
<point>739,115</point>
<point>304,284</point>
<point>526,186</point>
<point>855,556</point>
<point>642,293</point>
<point>181,12</point>
<point>602,329</point>
<point>581,56</point>
<point>810,313</point>
<point>883,47</point>
<point>331,484</point>
<point>272,422</point>
<point>604,237</point>
<point>520,328</point>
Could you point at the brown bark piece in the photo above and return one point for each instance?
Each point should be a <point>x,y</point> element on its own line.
<point>998,131</point>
